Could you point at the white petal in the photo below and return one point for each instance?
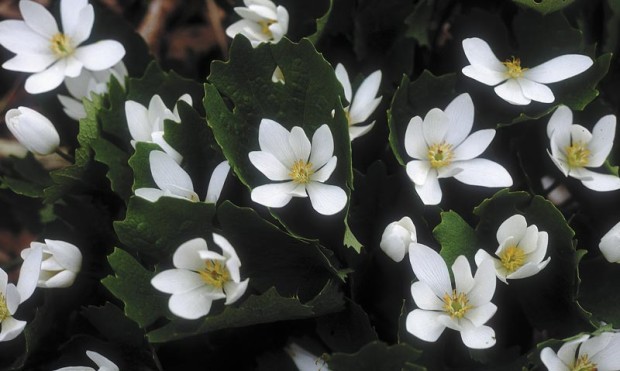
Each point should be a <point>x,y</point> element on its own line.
<point>610,244</point>
<point>100,55</point>
<point>78,18</point>
<point>424,297</point>
<point>102,362</point>
<point>418,171</point>
<point>481,337</point>
<point>529,242</point>
<point>11,328</point>
<point>361,113</point>
<point>435,126</point>
<point>580,134</point>
<point>299,143</point>
<point>527,270</point>
<point>38,18</point>
<point>138,121</point>
<point>480,315</point>
<point>29,62</point>
<point>608,358</point>
<point>483,172</point>
<point>463,278</point>
<point>12,298</point>
<point>415,145</point>
<point>149,194</point>
<point>72,107</point>
<point>430,268</point>
<point>33,130</point>
<point>429,192</point>
<point>234,291</point>
<point>326,171</point>
<point>552,361</point>
<point>177,281</point>
<point>600,182</point>
<point>18,38</point>
<point>66,254</point>
<point>194,304</point>
<point>59,280</point>
<point>602,140</point>
<point>461,114</point>
<point>304,360</point>
<point>29,272</point>
<point>273,195</point>
<point>535,91</point>
<point>168,175</point>
<point>514,226</point>
<point>559,125</point>
<point>274,138</point>
<point>484,286</point>
<point>474,145</point>
<point>343,78</point>
<point>364,101</point>
<point>559,68</point>
<point>560,164</point>
<point>511,92</point>
<point>46,80</point>
<point>356,131</point>
<point>396,238</point>
<point>479,54</point>
<point>269,165</point>
<point>540,251</point>
<point>483,75</point>
<point>322,146</point>
<point>326,199</point>
<point>157,137</point>
<point>216,183</point>
<point>567,352</point>
<point>424,325</point>
<point>187,255</point>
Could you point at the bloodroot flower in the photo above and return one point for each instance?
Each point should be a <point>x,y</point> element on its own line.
<point>262,22</point>
<point>598,353</point>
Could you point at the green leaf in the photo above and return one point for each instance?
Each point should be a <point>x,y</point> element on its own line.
<point>112,323</point>
<point>156,229</point>
<point>24,176</point>
<point>321,23</point>
<point>456,238</point>
<point>141,166</point>
<point>115,159</point>
<point>376,356</point>
<point>600,280</point>
<point>414,99</point>
<point>418,22</point>
<point>545,6</point>
<point>346,331</point>
<point>131,283</point>
<point>256,309</point>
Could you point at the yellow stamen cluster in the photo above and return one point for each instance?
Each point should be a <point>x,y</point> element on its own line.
<point>265,27</point>
<point>440,155</point>
<point>61,45</point>
<point>512,258</point>
<point>301,172</point>
<point>456,305</point>
<point>514,67</point>
<point>577,155</point>
<point>215,273</point>
<point>584,363</point>
<point>4,310</point>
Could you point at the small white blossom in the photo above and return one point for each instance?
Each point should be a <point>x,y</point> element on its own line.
<point>442,148</point>
<point>147,124</point>
<point>304,360</point>
<point>262,22</point>
<point>50,54</point>
<point>86,84</point>
<point>363,103</point>
<point>397,237</point>
<point>202,275</point>
<point>600,353</point>
<point>278,76</point>
<point>103,364</point>
<point>60,262</point>
<point>610,244</point>
<point>520,85</point>
<point>289,156</point>
<point>465,308</point>
<point>521,250</point>
<point>33,130</point>
<point>173,181</point>
<point>574,149</point>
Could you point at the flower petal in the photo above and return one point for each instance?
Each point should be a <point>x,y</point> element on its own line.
<point>66,254</point>
<point>484,286</point>
<point>463,279</point>
<point>535,91</point>
<point>567,352</point>
<point>418,171</point>
<point>602,140</point>
<point>29,272</point>
<point>77,22</point>
<point>474,145</point>
<point>461,114</point>
<point>559,125</point>
<point>424,297</point>
<point>559,68</point>
<point>481,337</point>
<point>361,113</point>
<point>481,314</point>
<point>38,18</point>
<point>364,101</point>
<point>356,131</point>
<point>600,182</point>
<point>514,226</point>
<point>326,171</point>
<point>173,281</point>
<point>540,251</point>
<point>579,134</point>
<point>608,358</point>
<point>196,303</point>
<point>610,244</point>
<point>100,55</point>
<point>11,328</point>
<point>479,54</point>
<point>102,362</point>
<point>430,268</point>
<point>187,255</point>
<point>415,145</point>
<point>552,361</point>
<point>435,126</point>
<point>216,183</point>
<point>326,199</point>
<point>483,75</point>
<point>138,121</point>
<point>343,78</point>
<point>483,172</point>
<point>18,38</point>
<point>299,143</point>
<point>430,191</point>
<point>527,270</point>
<point>511,92</point>
<point>322,146</point>
<point>273,195</point>
<point>29,62</point>
<point>423,324</point>
<point>149,194</point>
<point>234,291</point>
<point>273,138</point>
<point>12,298</point>
<point>168,175</point>
<point>59,280</point>
<point>269,165</point>
<point>46,80</point>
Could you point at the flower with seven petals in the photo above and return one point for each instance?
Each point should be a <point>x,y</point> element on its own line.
<point>597,353</point>
<point>50,54</point>
<point>397,237</point>
<point>201,276</point>
<point>290,157</point>
<point>574,148</point>
<point>442,147</point>
<point>103,364</point>
<point>520,85</point>
<point>60,262</point>
<point>521,250</point>
<point>465,308</point>
<point>363,103</point>
<point>262,21</point>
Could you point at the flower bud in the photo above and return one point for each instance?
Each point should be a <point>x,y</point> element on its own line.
<point>60,263</point>
<point>33,130</point>
<point>610,245</point>
<point>397,237</point>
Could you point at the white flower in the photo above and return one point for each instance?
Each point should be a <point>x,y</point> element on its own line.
<point>397,237</point>
<point>289,156</point>
<point>60,262</point>
<point>262,22</point>
<point>103,364</point>
<point>87,83</point>
<point>50,54</point>
<point>278,76</point>
<point>600,353</point>
<point>173,181</point>
<point>33,130</point>
<point>574,148</point>
<point>521,85</point>
<point>442,147</point>
<point>12,296</point>
<point>521,250</point>
<point>304,360</point>
<point>363,103</point>
<point>466,308</point>
<point>202,275</point>
<point>147,124</point>
<point>610,244</point>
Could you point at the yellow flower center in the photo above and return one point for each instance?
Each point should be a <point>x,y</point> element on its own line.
<point>265,28</point>
<point>301,172</point>
<point>456,305</point>
<point>440,155</point>
<point>215,273</point>
<point>4,310</point>
<point>512,258</point>
<point>577,155</point>
<point>514,67</point>
<point>583,363</point>
<point>61,45</point>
